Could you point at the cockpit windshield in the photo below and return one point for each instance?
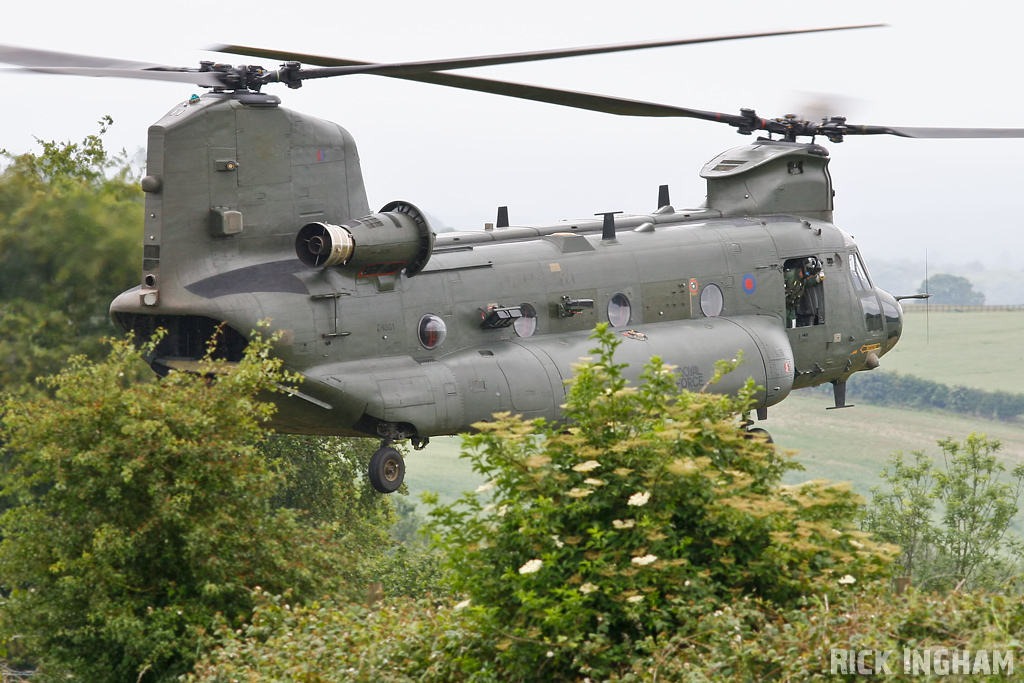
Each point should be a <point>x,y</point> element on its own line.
<point>859,273</point>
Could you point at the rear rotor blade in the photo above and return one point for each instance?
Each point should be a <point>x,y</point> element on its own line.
<point>204,78</point>
<point>23,56</point>
<point>70,64</point>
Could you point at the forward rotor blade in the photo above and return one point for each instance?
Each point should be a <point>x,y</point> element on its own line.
<point>400,69</point>
<point>204,78</point>
<point>912,132</point>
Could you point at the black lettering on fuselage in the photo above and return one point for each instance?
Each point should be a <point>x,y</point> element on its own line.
<point>691,378</point>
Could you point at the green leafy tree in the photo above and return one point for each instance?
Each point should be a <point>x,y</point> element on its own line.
<point>652,508</point>
<point>323,479</point>
<point>901,513</point>
<point>951,289</point>
<point>141,512</point>
<point>953,525</point>
<point>70,220</point>
<point>978,508</point>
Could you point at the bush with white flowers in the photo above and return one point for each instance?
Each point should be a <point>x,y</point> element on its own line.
<point>651,508</point>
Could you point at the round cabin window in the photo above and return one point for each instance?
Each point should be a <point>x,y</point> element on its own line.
<point>526,324</point>
<point>619,310</point>
<point>711,301</point>
<point>432,331</point>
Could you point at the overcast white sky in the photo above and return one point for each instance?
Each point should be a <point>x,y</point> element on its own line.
<point>458,155</point>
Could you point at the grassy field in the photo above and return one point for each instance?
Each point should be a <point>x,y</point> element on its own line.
<point>981,349</point>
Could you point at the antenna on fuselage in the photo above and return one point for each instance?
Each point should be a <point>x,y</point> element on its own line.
<point>928,294</point>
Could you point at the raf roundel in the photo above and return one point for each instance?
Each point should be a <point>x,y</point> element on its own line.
<point>749,283</point>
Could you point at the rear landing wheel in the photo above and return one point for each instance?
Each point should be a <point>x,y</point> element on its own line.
<point>387,469</point>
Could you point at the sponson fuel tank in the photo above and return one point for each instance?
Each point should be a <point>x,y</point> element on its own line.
<point>527,376</point>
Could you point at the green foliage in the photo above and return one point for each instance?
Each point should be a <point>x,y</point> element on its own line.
<point>412,571</point>
<point>323,478</point>
<point>652,508</point>
<point>915,393</point>
<point>70,220</point>
<point>901,514</point>
<point>751,641</point>
<point>977,508</point>
<point>408,523</point>
<point>743,641</point>
<point>951,289</point>
<point>969,545</point>
<point>141,512</point>
<point>333,642</point>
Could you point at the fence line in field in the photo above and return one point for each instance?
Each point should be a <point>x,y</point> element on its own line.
<point>954,308</point>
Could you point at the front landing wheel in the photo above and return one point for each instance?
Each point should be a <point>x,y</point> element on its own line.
<point>387,469</point>
<point>758,433</point>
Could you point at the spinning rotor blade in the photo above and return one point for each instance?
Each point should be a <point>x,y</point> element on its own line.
<point>206,78</point>
<point>908,132</point>
<point>403,69</point>
<point>537,93</point>
<point>70,64</point>
<point>747,121</point>
<point>23,56</point>
<point>434,72</point>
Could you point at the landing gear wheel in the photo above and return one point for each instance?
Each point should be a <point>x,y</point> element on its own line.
<point>387,469</point>
<point>758,433</point>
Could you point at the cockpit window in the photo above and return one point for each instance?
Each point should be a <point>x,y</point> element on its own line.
<point>859,274</point>
<point>872,313</point>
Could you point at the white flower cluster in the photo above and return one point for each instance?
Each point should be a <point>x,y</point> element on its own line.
<point>586,466</point>
<point>644,560</point>
<point>531,566</point>
<point>638,499</point>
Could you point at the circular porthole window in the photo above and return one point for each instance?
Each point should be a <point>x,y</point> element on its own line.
<point>526,324</point>
<point>432,331</point>
<point>619,310</point>
<point>711,301</point>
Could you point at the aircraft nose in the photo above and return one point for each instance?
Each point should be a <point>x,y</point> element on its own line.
<point>893,312</point>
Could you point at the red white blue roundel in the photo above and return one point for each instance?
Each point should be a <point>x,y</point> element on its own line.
<point>749,283</point>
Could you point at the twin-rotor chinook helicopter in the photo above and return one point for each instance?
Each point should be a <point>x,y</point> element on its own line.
<point>255,212</point>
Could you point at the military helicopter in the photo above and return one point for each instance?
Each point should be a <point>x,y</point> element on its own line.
<point>255,212</point>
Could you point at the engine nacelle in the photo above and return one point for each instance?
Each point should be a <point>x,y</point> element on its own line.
<point>384,243</point>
